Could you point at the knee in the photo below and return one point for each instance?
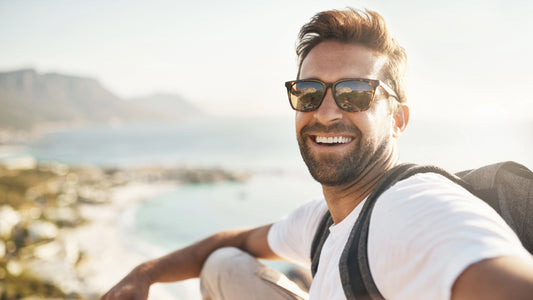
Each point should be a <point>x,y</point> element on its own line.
<point>222,255</point>
<point>226,265</point>
<point>222,258</point>
<point>225,253</point>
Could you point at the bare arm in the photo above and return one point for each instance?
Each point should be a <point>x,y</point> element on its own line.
<point>497,278</point>
<point>187,262</point>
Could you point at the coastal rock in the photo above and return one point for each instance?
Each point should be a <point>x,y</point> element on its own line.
<point>22,162</point>
<point>67,251</point>
<point>92,195</point>
<point>42,230</point>
<point>3,249</point>
<point>9,217</point>
<point>48,251</point>
<point>55,262</point>
<point>14,268</point>
<point>63,216</point>
<point>208,175</point>
<point>68,198</point>
<point>58,273</point>
<point>58,169</point>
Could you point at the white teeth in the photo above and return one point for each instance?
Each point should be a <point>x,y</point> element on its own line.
<point>332,140</point>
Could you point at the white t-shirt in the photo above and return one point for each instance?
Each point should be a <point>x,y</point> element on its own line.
<point>423,233</point>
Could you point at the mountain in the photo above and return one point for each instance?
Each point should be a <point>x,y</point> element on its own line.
<point>29,99</point>
<point>170,105</point>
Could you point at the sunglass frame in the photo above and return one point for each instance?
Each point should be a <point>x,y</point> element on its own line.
<point>374,84</point>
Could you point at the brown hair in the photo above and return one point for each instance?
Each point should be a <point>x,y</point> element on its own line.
<point>363,27</point>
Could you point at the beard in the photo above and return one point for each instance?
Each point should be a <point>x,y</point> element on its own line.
<point>333,169</point>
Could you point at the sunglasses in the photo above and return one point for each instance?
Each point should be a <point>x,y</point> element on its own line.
<point>350,94</point>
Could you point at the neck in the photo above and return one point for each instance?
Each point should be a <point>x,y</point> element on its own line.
<point>342,199</point>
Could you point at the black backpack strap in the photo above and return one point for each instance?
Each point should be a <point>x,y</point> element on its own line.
<point>354,268</point>
<point>321,235</point>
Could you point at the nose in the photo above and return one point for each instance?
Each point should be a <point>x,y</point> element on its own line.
<point>328,112</point>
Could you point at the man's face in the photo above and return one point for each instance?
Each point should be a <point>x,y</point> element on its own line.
<point>336,145</point>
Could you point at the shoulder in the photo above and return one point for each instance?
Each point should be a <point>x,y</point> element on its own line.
<point>430,203</point>
<point>305,216</point>
<point>426,230</point>
<point>291,236</point>
<point>429,191</point>
<point>420,183</point>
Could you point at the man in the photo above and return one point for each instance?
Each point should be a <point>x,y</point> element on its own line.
<point>428,237</point>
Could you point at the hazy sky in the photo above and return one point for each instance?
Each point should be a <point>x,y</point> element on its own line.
<point>466,57</point>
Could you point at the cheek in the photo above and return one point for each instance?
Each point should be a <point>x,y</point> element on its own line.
<point>300,120</point>
<point>375,124</point>
<point>384,129</point>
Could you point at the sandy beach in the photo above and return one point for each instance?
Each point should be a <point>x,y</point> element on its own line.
<point>106,241</point>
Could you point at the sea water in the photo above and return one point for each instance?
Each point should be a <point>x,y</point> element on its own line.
<point>264,146</point>
<point>226,142</point>
<point>270,143</point>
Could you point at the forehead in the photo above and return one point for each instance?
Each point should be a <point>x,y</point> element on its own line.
<point>331,61</point>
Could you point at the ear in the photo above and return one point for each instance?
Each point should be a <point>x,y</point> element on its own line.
<point>400,120</point>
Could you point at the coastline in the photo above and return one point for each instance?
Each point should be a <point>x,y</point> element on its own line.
<point>69,232</point>
<point>107,257</point>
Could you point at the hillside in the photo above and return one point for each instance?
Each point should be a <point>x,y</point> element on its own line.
<point>172,106</point>
<point>29,99</point>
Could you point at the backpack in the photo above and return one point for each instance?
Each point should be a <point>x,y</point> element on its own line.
<point>506,186</point>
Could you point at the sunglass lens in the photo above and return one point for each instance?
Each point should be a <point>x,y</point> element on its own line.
<point>353,95</point>
<point>306,95</point>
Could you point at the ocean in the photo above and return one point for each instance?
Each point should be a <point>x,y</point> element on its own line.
<point>269,144</point>
<point>267,148</point>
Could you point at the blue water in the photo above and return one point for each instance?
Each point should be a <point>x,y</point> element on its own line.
<point>270,143</point>
<point>196,211</point>
<point>229,142</point>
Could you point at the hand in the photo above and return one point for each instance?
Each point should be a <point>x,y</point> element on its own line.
<point>134,286</point>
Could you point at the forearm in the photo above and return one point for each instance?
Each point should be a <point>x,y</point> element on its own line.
<point>497,278</point>
<point>187,262</point>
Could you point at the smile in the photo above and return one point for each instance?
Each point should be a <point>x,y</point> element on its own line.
<point>332,140</point>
